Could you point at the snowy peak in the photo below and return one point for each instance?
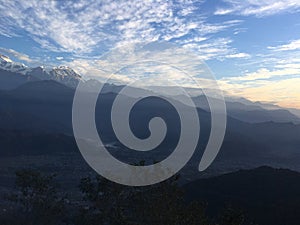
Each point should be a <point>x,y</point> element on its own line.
<point>7,64</point>
<point>4,58</point>
<point>65,71</point>
<point>62,74</point>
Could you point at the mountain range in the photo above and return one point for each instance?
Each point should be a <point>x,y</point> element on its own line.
<point>14,75</point>
<point>255,135</point>
<point>45,108</point>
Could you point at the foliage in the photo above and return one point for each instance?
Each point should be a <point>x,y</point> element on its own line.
<point>156,204</point>
<point>37,199</point>
<point>107,203</point>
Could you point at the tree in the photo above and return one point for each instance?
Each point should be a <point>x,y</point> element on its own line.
<point>37,199</point>
<point>231,216</point>
<point>159,204</point>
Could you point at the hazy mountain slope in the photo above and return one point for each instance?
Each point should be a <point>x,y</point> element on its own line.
<point>47,106</point>
<point>10,80</point>
<point>14,74</point>
<point>43,105</point>
<point>251,113</point>
<point>16,143</point>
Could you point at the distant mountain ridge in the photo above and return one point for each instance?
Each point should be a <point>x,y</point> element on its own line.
<point>252,112</point>
<point>23,74</point>
<point>46,106</point>
<point>13,75</point>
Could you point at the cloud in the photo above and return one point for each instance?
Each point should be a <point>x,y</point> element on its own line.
<point>258,8</point>
<point>6,32</point>
<point>18,55</point>
<point>156,64</point>
<point>279,85</point>
<point>293,45</point>
<point>217,48</point>
<point>263,74</point>
<point>239,30</point>
<point>221,11</point>
<point>238,56</point>
<point>85,27</point>
<point>283,92</point>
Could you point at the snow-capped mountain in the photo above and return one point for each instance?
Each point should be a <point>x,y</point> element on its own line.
<point>62,74</point>
<point>7,64</point>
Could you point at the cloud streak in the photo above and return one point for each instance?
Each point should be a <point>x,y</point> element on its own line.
<point>83,27</point>
<point>293,45</point>
<point>284,92</point>
<point>280,85</point>
<point>258,8</point>
<point>18,55</point>
<point>238,56</point>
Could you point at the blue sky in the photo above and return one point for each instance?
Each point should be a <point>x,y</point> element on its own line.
<point>253,47</point>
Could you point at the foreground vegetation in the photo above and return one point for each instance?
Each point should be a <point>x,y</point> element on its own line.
<point>37,201</point>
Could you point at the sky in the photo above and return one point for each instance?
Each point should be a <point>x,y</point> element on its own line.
<point>251,46</point>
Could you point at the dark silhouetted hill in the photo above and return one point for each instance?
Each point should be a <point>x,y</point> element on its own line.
<point>267,195</point>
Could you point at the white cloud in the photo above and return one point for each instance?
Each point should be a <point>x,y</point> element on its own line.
<point>221,11</point>
<point>293,45</point>
<point>4,31</point>
<point>238,56</point>
<point>85,26</point>
<point>258,8</point>
<point>263,74</point>
<point>239,30</point>
<point>279,85</point>
<point>18,55</point>
<point>217,48</point>
<point>284,92</point>
<point>159,64</point>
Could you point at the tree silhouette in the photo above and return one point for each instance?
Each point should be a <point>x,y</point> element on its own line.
<point>104,202</point>
<point>160,204</point>
<point>37,199</point>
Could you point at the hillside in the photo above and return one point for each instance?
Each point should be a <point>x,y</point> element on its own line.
<point>266,195</point>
